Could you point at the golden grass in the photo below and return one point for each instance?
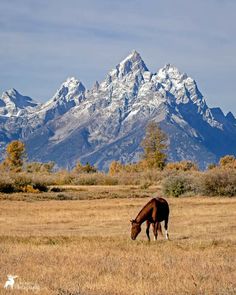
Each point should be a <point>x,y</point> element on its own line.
<point>84,247</point>
<point>84,192</point>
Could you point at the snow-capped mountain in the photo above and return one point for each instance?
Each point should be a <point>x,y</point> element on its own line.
<point>12,103</point>
<point>70,94</point>
<point>108,121</point>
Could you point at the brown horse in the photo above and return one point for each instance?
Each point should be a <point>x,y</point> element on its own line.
<point>153,212</point>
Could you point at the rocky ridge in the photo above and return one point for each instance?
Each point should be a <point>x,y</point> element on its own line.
<point>108,122</point>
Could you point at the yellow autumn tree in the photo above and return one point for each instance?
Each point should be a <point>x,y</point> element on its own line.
<point>15,155</point>
<point>227,162</point>
<point>115,167</point>
<point>155,146</point>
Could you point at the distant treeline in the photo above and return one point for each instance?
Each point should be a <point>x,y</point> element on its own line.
<point>176,179</point>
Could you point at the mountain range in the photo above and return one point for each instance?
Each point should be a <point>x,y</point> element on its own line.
<point>108,121</point>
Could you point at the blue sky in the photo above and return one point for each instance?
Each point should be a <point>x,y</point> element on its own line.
<point>44,42</point>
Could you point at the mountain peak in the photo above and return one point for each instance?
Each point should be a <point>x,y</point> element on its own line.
<point>11,92</point>
<point>70,94</point>
<point>69,89</point>
<point>12,102</point>
<point>231,117</point>
<point>73,83</point>
<point>133,61</point>
<point>171,70</point>
<point>133,56</point>
<point>12,96</point>
<point>132,64</point>
<point>95,86</point>
<point>72,90</point>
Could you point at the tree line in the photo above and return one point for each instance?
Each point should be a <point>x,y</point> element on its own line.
<point>154,145</point>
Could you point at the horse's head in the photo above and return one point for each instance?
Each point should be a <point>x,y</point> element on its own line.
<point>135,229</point>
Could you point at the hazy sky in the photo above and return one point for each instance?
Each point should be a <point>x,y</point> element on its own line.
<point>42,42</point>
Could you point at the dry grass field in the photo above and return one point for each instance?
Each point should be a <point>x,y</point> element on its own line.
<point>83,247</point>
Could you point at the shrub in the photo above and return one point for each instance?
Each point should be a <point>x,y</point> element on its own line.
<point>6,186</point>
<point>56,190</point>
<point>219,182</point>
<point>21,181</point>
<point>94,179</point>
<point>115,168</point>
<point>182,166</point>
<point>211,166</point>
<point>27,183</point>
<point>29,189</point>
<point>87,168</point>
<point>63,197</point>
<point>40,187</point>
<point>178,185</point>
<point>61,177</point>
<point>228,161</point>
<point>37,167</point>
<point>110,180</point>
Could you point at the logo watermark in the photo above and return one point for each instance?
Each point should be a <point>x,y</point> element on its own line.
<point>26,286</point>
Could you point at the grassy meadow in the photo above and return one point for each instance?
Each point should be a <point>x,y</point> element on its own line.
<point>78,243</point>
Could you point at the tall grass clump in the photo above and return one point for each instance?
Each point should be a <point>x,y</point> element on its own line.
<point>94,179</point>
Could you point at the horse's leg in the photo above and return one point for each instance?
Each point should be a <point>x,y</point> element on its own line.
<point>166,228</point>
<point>155,228</point>
<point>147,230</point>
<point>159,229</point>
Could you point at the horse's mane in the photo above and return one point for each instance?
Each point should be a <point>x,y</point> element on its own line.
<point>144,207</point>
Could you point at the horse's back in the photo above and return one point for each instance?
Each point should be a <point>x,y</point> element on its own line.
<point>161,201</point>
<point>162,208</point>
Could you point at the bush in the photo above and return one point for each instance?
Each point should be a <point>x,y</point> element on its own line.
<point>6,186</point>
<point>219,182</point>
<point>87,168</point>
<point>182,166</point>
<point>87,180</point>
<point>94,179</point>
<point>21,181</point>
<point>63,197</point>
<point>29,189</point>
<point>56,190</point>
<point>228,161</point>
<point>40,187</point>
<point>178,185</point>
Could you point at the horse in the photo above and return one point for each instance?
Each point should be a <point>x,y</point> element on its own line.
<point>154,212</point>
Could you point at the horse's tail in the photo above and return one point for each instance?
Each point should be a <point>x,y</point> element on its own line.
<point>159,228</point>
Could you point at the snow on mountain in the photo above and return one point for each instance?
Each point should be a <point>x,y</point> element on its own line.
<point>186,92</point>
<point>108,121</point>
<point>12,103</point>
<point>70,94</point>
